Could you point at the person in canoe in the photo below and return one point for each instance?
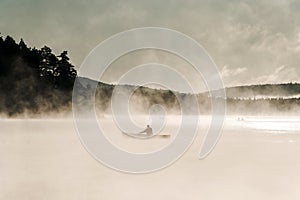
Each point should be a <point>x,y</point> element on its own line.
<point>148,131</point>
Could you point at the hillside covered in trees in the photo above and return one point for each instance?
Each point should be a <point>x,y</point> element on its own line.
<point>35,81</point>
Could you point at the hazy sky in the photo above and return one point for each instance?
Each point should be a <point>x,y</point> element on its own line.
<point>250,41</point>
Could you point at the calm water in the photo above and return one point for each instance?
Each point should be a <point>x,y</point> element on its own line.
<point>44,159</point>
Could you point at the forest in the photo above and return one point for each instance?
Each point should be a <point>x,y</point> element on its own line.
<point>37,82</point>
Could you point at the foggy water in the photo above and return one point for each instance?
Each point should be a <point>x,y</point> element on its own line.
<point>265,124</point>
<point>256,158</point>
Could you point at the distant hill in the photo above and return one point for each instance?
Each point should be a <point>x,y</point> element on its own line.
<point>37,82</point>
<point>286,90</point>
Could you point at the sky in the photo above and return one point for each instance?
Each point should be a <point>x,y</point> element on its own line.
<point>253,41</point>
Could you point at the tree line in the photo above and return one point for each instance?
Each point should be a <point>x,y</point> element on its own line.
<point>36,81</point>
<point>33,80</point>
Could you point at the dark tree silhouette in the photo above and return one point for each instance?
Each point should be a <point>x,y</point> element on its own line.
<point>64,72</point>
<point>48,64</point>
<point>33,80</point>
